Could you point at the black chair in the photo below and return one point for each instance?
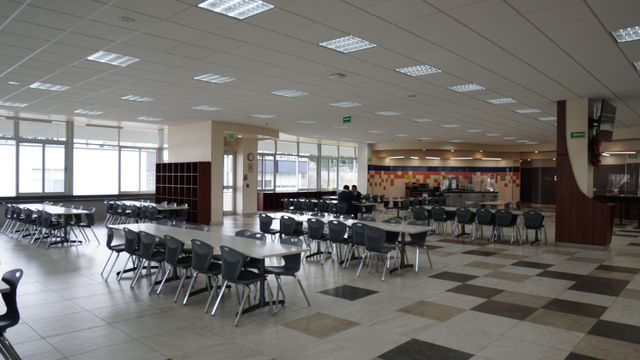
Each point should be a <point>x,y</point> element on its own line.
<point>464,217</point>
<point>341,208</point>
<point>12,316</point>
<point>201,227</point>
<point>317,236</point>
<point>368,217</point>
<point>419,240</point>
<point>163,222</point>
<point>249,262</point>
<point>50,228</point>
<point>337,236</point>
<point>265,225</point>
<point>177,260</point>
<point>243,233</point>
<point>357,240</point>
<point>290,227</point>
<point>323,207</point>
<point>180,224</point>
<point>439,216</point>
<point>392,237</point>
<point>202,263</point>
<point>290,268</point>
<point>90,220</point>
<point>534,220</point>
<point>419,214</point>
<point>117,249</point>
<point>376,246</point>
<point>131,244</point>
<point>485,217</point>
<point>148,254</point>
<point>232,272</point>
<point>506,219</point>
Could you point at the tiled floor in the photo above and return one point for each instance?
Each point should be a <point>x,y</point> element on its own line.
<point>479,301</point>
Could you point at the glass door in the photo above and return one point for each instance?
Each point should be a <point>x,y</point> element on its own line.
<point>228,188</point>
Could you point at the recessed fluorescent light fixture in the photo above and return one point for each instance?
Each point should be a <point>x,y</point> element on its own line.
<point>375,131</point>
<point>423,138</point>
<point>627,34</point>
<point>419,70</point>
<point>422,120</point>
<point>205,108</point>
<point>414,157</point>
<point>402,135</point>
<point>262,116</point>
<point>466,87</point>
<point>342,127</point>
<point>88,112</point>
<point>239,9</point>
<point>46,86</point>
<point>214,78</point>
<point>289,93</point>
<point>492,134</point>
<point>502,101</point>
<point>450,125</point>
<point>605,154</point>
<point>473,130</point>
<point>462,158</point>
<point>149,118</point>
<point>306,122</point>
<point>547,118</point>
<point>527,111</point>
<point>112,58</point>
<point>345,139</point>
<point>523,141</point>
<point>621,152</point>
<point>395,157</point>
<point>12,104</point>
<point>347,44</point>
<point>455,141</point>
<point>636,64</point>
<point>388,113</point>
<point>345,104</point>
<point>13,83</point>
<point>508,138</point>
<point>491,159</point>
<point>432,158</point>
<point>532,143</point>
<point>137,98</point>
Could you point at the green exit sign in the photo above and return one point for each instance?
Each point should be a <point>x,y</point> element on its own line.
<point>577,135</point>
<point>231,137</point>
<point>346,119</point>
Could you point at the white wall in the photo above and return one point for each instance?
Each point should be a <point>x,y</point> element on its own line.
<point>578,149</point>
<point>364,156</point>
<point>191,142</point>
<point>246,176</point>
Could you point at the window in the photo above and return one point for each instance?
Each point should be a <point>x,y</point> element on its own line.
<point>137,170</point>
<point>265,171</point>
<point>308,166</point>
<point>54,168</point>
<point>6,128</point>
<point>329,167</point>
<point>8,165</point>
<point>41,168</point>
<point>348,166</point>
<point>43,130</point>
<point>95,169</point>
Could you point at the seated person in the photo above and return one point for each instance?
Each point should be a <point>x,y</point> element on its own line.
<point>346,196</point>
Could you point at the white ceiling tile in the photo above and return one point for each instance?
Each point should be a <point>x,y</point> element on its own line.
<point>161,9</point>
<point>402,10</point>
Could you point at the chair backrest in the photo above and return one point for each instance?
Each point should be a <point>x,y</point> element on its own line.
<point>292,262</point>
<point>131,240</point>
<point>341,208</point>
<point>374,238</point>
<point>438,214</point>
<point>315,228</point>
<point>243,233</point>
<point>201,227</point>
<point>393,221</point>
<point>173,250</point>
<point>369,218</point>
<point>265,222</point>
<point>147,244</point>
<point>418,239</point>
<point>257,236</point>
<point>12,316</point>
<point>358,233</point>
<point>505,218</point>
<point>533,219</point>
<point>309,205</point>
<point>165,222</point>
<point>419,213</point>
<point>91,216</point>
<point>180,224</point>
<point>202,253</point>
<point>485,217</point>
<point>287,204</point>
<point>110,237</point>
<point>391,237</point>
<point>465,216</point>
<point>232,262</point>
<point>323,206</point>
<point>287,225</point>
<point>337,230</point>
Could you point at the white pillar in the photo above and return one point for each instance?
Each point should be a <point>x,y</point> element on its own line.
<point>364,155</point>
<point>246,176</point>
<point>578,148</point>
<point>217,172</point>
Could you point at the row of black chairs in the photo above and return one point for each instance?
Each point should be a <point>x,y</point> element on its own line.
<point>121,213</point>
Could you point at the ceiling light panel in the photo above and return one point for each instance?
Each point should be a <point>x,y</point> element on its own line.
<point>262,116</point>
<point>402,135</point>
<point>419,70</point>
<point>214,78</point>
<point>388,113</point>
<point>432,158</point>
<point>422,120</point>
<point>473,130</point>
<point>637,65</point>
<point>528,111</point>
<point>88,112</point>
<point>112,58</point>
<point>289,93</point>
<point>149,118</point>
<point>462,158</point>
<point>466,87</point>
<point>205,108</point>
<point>423,138</point>
<point>627,34</point>
<point>492,159</point>
<point>46,86</point>
<point>502,101</point>
<point>12,104</point>
<point>239,9</point>
<point>450,125</point>
<point>375,131</point>
<point>345,104</point>
<point>455,141</point>
<point>547,118</point>
<point>306,122</point>
<point>137,98</point>
<point>347,44</point>
<point>492,134</point>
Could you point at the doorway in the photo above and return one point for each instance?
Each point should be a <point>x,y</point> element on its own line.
<point>228,187</point>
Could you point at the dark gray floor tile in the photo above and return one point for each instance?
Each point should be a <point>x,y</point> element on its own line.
<point>560,275</point>
<point>576,308</point>
<point>480,252</point>
<point>616,331</point>
<point>576,356</point>
<point>505,309</point>
<point>532,264</point>
<point>475,290</point>
<point>348,292</point>
<point>598,285</point>
<point>415,349</point>
<point>453,276</point>
<point>622,269</point>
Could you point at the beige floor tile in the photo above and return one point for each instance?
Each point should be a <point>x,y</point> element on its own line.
<point>545,335</point>
<point>88,340</point>
<point>612,274</point>
<point>432,310</point>
<point>603,348</point>
<point>630,294</point>
<point>626,311</point>
<point>368,341</point>
<point>509,349</point>
<point>522,299</point>
<point>509,276</point>
<point>560,320</point>
<point>485,265</point>
<point>37,349</point>
<point>125,351</point>
<point>320,325</point>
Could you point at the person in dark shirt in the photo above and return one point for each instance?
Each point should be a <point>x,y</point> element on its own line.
<point>346,196</point>
<point>357,195</point>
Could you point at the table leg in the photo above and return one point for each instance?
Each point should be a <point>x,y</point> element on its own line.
<point>403,264</point>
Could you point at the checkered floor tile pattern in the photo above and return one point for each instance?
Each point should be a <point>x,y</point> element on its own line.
<point>480,301</point>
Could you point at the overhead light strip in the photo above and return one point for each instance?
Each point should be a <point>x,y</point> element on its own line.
<point>239,9</point>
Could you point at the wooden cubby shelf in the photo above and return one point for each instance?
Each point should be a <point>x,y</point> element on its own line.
<point>186,183</point>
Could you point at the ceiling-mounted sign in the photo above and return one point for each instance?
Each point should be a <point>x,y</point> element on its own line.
<point>231,137</point>
<point>346,119</point>
<point>577,135</point>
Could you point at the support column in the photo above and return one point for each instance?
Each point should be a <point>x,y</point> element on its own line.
<point>246,176</point>
<point>217,172</point>
<point>364,157</point>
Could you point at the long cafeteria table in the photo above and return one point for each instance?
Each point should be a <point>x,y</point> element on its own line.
<point>64,212</point>
<point>249,247</point>
<point>160,207</point>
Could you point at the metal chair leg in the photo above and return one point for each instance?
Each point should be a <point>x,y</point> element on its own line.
<point>211,293</point>
<point>182,279</point>
<point>303,291</point>
<point>115,261</point>
<point>244,298</point>
<point>364,256</point>
<point>215,306</point>
<point>193,280</point>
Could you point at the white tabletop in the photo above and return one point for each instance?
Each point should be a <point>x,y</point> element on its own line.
<point>399,228</point>
<point>52,209</point>
<point>155,205</point>
<point>249,247</point>
<point>513,211</point>
<point>4,288</point>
